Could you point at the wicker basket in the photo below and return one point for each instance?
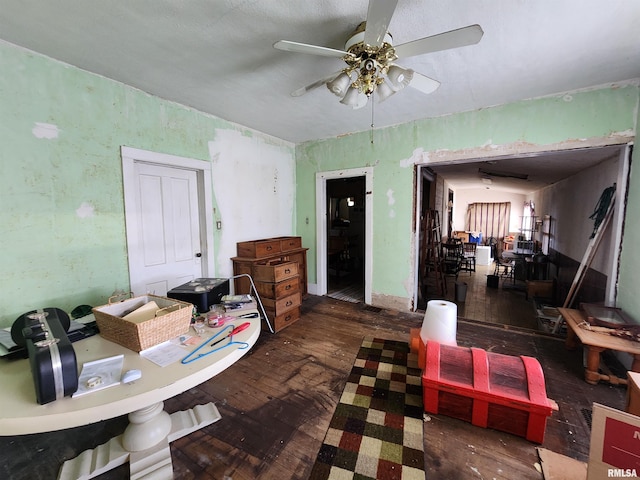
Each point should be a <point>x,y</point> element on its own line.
<point>173,319</point>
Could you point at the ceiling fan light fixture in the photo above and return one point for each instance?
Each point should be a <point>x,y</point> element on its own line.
<point>384,91</point>
<point>354,98</point>
<point>339,85</point>
<point>399,77</point>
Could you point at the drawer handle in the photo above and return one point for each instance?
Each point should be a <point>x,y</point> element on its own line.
<point>287,318</point>
<point>269,247</point>
<point>287,270</point>
<point>288,287</point>
<point>289,303</point>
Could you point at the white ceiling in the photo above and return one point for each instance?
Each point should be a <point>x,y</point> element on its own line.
<point>217,56</point>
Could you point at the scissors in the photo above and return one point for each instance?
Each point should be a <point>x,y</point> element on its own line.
<point>230,330</point>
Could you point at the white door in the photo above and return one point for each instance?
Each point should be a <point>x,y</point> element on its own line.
<point>164,238</point>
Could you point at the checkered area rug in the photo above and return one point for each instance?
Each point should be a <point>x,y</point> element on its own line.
<point>377,429</point>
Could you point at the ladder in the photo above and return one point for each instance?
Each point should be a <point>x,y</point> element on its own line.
<point>431,261</point>
<point>589,254</point>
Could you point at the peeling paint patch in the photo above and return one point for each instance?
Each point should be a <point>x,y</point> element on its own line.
<point>568,98</point>
<point>85,210</point>
<point>625,133</point>
<point>417,157</point>
<point>391,200</point>
<point>45,130</point>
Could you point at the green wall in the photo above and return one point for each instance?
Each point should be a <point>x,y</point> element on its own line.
<point>63,233</point>
<point>519,127</point>
<point>629,281</point>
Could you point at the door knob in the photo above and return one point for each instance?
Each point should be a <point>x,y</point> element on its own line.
<point>198,254</point>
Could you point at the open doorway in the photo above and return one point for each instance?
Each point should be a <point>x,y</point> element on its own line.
<point>346,238</point>
<point>558,232</point>
<point>324,221</point>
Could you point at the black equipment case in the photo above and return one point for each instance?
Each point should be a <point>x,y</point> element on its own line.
<point>201,292</point>
<point>51,355</point>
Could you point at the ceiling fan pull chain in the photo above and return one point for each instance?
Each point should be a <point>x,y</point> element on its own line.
<point>372,102</point>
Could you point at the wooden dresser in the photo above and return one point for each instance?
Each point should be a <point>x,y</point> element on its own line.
<point>278,267</point>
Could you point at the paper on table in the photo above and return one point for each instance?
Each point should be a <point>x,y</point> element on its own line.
<point>99,374</point>
<point>164,354</point>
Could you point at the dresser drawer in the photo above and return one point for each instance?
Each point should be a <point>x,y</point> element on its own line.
<point>274,272</point>
<point>281,305</point>
<point>284,320</point>
<point>290,243</point>
<point>259,248</point>
<point>278,290</point>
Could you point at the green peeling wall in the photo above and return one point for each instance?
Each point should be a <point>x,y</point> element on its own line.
<point>529,126</point>
<point>63,240</point>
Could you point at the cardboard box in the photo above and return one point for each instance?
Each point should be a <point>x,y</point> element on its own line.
<point>633,393</point>
<point>614,450</point>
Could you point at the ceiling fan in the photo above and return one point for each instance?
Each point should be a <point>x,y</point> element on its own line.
<point>370,55</point>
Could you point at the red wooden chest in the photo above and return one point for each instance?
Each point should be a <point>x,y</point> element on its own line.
<point>489,390</point>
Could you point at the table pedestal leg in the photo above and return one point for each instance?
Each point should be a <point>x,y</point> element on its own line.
<point>144,444</point>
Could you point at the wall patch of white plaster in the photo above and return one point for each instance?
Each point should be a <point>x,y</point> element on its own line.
<point>391,200</point>
<point>416,158</point>
<point>266,174</point>
<point>85,210</point>
<point>45,130</point>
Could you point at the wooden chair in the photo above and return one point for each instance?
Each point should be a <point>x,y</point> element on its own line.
<point>503,268</point>
<point>469,257</point>
<point>452,258</point>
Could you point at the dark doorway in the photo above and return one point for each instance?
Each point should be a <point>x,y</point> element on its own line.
<point>345,238</point>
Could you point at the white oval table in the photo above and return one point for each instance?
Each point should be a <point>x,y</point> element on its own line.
<point>145,442</point>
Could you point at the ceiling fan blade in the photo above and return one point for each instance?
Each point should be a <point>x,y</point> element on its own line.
<point>423,83</point>
<point>314,85</point>
<point>455,38</point>
<point>378,18</point>
<point>296,47</point>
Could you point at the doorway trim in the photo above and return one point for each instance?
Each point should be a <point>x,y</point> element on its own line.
<point>131,156</point>
<point>322,220</point>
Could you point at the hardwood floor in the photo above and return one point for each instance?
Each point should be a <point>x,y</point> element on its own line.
<point>276,404</point>
<point>505,305</point>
